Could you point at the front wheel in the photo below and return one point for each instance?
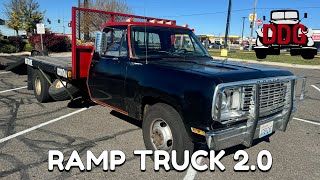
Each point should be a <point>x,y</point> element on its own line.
<point>163,129</point>
<point>261,54</point>
<point>307,55</point>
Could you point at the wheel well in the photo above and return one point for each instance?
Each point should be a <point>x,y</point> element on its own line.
<point>148,101</point>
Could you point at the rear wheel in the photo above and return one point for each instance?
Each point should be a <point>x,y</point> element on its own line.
<point>41,86</point>
<point>307,55</point>
<point>163,129</point>
<point>59,93</point>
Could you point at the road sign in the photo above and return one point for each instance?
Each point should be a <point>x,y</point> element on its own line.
<point>252,17</point>
<point>40,29</point>
<point>259,22</point>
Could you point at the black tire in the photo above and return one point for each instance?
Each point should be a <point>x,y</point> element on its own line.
<point>41,86</point>
<point>307,55</point>
<point>60,94</point>
<point>261,55</point>
<point>180,138</point>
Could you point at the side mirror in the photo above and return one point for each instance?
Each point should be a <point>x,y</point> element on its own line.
<point>264,18</point>
<point>305,15</point>
<point>100,42</point>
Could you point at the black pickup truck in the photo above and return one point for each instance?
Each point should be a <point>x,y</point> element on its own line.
<point>159,73</point>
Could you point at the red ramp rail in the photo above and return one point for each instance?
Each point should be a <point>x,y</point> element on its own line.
<point>85,23</point>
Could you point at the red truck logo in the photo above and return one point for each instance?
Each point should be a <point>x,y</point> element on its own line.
<point>285,32</point>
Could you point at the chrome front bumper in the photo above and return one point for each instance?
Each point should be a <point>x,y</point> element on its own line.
<point>233,136</point>
<point>246,132</point>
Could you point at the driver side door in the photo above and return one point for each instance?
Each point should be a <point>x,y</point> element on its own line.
<point>107,73</point>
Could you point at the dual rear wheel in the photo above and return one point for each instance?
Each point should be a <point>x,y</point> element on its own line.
<point>45,92</point>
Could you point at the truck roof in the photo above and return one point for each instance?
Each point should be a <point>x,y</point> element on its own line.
<point>148,24</point>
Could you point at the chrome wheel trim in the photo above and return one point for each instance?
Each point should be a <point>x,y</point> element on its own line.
<point>37,84</point>
<point>161,135</point>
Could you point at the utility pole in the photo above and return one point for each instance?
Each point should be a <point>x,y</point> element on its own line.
<point>228,25</point>
<point>253,23</point>
<point>243,20</point>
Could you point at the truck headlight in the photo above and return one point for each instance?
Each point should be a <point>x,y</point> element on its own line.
<point>230,107</point>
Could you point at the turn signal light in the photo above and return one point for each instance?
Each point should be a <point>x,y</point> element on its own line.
<point>129,20</point>
<point>198,131</point>
<point>153,21</point>
<point>170,23</point>
<point>69,74</point>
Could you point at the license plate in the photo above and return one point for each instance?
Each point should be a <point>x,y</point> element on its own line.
<point>265,129</point>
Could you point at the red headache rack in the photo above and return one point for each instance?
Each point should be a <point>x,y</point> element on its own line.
<point>85,23</point>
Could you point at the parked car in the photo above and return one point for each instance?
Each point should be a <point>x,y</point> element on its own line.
<point>214,46</point>
<point>24,36</point>
<point>246,47</point>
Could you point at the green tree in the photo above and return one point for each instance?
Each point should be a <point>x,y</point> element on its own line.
<point>23,15</point>
<point>32,15</point>
<point>15,14</point>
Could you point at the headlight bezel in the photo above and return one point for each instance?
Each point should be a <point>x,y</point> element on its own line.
<point>229,105</point>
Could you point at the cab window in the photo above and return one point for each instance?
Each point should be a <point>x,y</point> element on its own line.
<point>116,42</point>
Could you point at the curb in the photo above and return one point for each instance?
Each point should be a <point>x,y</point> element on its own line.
<point>317,67</point>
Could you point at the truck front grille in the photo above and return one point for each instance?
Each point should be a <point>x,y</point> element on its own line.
<point>272,98</point>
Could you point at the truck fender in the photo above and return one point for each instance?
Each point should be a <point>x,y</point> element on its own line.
<point>166,99</point>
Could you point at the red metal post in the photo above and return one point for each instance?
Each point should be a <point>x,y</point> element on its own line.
<point>74,43</point>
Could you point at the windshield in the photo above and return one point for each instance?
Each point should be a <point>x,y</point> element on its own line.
<point>160,42</point>
<point>285,15</point>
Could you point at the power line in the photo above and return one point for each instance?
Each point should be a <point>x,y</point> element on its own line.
<point>239,10</point>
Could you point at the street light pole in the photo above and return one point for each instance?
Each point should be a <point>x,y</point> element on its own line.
<point>252,27</point>
<point>243,20</point>
<point>228,24</point>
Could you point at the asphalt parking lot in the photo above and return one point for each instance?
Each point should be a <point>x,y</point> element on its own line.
<point>25,138</point>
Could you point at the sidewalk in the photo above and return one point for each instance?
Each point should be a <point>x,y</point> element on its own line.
<point>269,63</point>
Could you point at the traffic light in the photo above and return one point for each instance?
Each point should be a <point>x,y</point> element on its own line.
<point>58,20</point>
<point>251,24</point>
<point>49,22</point>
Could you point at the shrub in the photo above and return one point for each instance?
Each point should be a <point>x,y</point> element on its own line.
<point>51,42</point>
<point>17,42</point>
<point>7,48</point>
<point>28,47</point>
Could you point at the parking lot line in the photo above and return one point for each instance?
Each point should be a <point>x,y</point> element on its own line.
<point>13,89</point>
<point>303,120</point>
<point>7,72</point>
<point>191,172</point>
<point>316,87</point>
<point>41,125</point>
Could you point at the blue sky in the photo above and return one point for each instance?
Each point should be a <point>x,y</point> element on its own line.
<point>205,16</point>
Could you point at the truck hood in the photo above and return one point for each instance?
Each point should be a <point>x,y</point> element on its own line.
<point>225,71</point>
